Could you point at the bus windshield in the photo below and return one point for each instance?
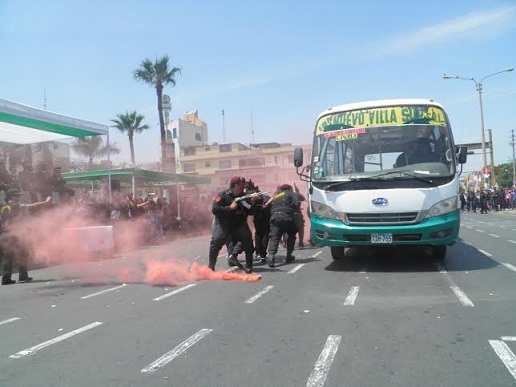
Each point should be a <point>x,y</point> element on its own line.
<point>402,141</point>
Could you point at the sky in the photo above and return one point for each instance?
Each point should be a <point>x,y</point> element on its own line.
<point>271,65</point>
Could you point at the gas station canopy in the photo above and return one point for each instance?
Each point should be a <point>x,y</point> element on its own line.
<point>22,124</point>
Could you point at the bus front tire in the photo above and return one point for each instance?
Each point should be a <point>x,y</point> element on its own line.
<point>337,252</point>
<point>439,253</point>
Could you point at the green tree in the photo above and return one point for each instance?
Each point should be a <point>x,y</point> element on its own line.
<point>130,123</point>
<point>503,173</point>
<point>93,147</point>
<point>157,74</point>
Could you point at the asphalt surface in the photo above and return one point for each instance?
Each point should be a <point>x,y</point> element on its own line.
<point>377,318</point>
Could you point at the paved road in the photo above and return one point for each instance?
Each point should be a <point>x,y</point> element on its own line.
<point>387,318</point>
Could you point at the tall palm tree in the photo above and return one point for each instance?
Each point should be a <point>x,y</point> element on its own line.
<point>158,74</point>
<point>93,147</point>
<point>130,123</point>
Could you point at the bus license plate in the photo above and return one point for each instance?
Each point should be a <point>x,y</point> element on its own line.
<point>381,238</point>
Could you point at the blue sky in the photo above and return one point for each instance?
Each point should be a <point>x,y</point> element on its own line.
<point>279,62</point>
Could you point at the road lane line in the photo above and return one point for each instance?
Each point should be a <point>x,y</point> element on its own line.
<point>103,291</point>
<point>258,295</point>
<point>169,356</point>
<point>323,364</point>
<point>468,227</point>
<point>512,241</point>
<point>502,226</point>
<point>352,296</point>
<point>32,350</point>
<point>494,235</point>
<point>485,253</point>
<point>162,297</point>
<point>481,231</point>
<point>505,354</point>
<point>9,320</point>
<point>464,300</point>
<point>509,266</point>
<point>296,268</point>
<point>317,254</point>
<point>508,338</point>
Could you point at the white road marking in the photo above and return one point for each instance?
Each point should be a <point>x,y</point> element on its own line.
<point>481,231</point>
<point>317,254</point>
<point>502,226</point>
<point>169,356</point>
<point>485,253</point>
<point>494,235</point>
<point>258,295</point>
<point>296,268</point>
<point>103,291</point>
<point>512,241</point>
<point>9,320</point>
<point>32,350</point>
<point>505,354</point>
<point>464,300</point>
<point>509,266</point>
<point>468,227</point>
<point>323,364</point>
<point>508,338</point>
<point>352,296</point>
<point>173,292</point>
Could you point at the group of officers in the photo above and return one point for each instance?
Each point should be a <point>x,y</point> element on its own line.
<point>274,217</point>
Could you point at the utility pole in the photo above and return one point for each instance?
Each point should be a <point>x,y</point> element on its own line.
<point>512,143</point>
<point>493,177</point>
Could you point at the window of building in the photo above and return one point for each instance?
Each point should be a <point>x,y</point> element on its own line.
<point>207,148</point>
<point>290,158</point>
<point>252,162</point>
<point>207,164</point>
<point>189,167</point>
<point>198,136</point>
<point>169,134</point>
<point>225,148</point>
<point>225,164</point>
<point>189,151</point>
<point>275,160</point>
<point>174,132</point>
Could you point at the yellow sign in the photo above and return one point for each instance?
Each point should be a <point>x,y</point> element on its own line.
<point>385,116</point>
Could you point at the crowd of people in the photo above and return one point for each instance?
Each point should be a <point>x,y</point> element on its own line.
<point>485,200</point>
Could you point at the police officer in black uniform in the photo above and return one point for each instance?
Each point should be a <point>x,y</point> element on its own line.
<point>12,247</point>
<point>283,205</point>
<point>261,221</point>
<point>230,226</point>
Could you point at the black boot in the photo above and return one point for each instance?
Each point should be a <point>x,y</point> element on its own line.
<point>290,257</point>
<point>272,260</point>
<point>234,260</point>
<point>212,263</point>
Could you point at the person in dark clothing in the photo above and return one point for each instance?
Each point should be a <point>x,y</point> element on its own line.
<point>230,226</point>
<point>12,247</point>
<point>415,152</point>
<point>284,203</point>
<point>299,219</point>
<point>262,223</point>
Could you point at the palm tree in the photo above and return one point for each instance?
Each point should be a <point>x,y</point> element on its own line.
<point>158,74</point>
<point>130,123</point>
<point>93,147</point>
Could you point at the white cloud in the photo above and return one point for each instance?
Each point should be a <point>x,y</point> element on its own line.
<point>478,25</point>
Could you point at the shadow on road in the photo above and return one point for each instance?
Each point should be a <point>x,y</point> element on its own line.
<point>460,257</point>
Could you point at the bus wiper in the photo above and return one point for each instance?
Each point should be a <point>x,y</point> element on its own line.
<point>423,179</point>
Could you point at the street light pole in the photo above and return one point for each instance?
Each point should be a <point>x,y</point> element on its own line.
<point>478,85</point>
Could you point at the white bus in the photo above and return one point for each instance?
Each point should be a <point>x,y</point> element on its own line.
<point>383,173</point>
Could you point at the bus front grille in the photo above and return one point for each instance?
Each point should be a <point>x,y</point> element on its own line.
<point>382,218</point>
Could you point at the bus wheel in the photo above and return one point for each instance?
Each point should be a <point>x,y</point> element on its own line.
<point>337,252</point>
<point>439,253</point>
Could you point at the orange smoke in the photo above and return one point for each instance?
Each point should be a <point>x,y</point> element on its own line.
<point>173,273</point>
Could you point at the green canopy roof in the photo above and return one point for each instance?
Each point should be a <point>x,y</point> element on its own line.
<point>22,124</point>
<point>141,176</point>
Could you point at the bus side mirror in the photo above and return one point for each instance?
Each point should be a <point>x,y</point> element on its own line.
<point>298,157</point>
<point>462,154</point>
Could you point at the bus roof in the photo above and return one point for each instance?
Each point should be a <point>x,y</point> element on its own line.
<point>378,104</point>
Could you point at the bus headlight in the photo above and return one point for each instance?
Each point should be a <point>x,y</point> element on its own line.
<point>323,211</point>
<point>443,207</point>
